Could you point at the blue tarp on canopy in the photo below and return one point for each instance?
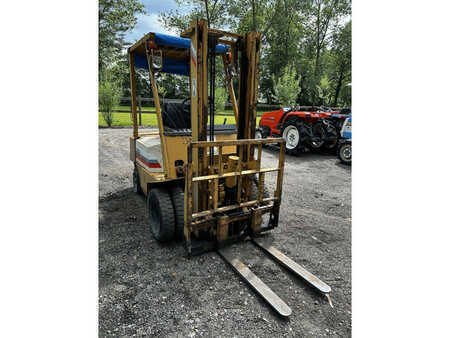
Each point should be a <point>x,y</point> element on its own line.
<point>175,41</point>
<point>170,65</point>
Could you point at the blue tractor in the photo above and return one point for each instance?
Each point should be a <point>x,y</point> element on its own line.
<point>345,143</point>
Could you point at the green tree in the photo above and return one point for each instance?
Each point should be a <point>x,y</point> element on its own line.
<point>108,97</point>
<point>299,33</point>
<point>221,96</point>
<point>281,35</point>
<point>322,18</point>
<point>287,87</point>
<point>215,12</point>
<point>115,18</point>
<point>341,61</point>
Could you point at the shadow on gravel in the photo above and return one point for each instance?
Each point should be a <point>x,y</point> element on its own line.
<point>304,157</point>
<point>342,165</point>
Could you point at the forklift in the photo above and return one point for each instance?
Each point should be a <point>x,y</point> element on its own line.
<point>204,183</point>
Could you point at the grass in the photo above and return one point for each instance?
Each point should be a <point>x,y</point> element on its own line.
<point>228,112</point>
<point>124,119</point>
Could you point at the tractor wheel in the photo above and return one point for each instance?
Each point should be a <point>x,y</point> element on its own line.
<point>136,182</point>
<point>319,134</point>
<point>160,214</point>
<point>262,132</point>
<point>258,134</point>
<point>332,139</point>
<point>345,153</point>
<point>291,134</point>
<point>177,194</point>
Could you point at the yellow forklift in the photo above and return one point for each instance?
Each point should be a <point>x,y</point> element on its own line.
<point>204,183</point>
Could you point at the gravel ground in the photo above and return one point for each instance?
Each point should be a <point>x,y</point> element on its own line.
<point>150,289</point>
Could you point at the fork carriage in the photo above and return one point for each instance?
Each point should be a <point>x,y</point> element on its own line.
<point>242,215</point>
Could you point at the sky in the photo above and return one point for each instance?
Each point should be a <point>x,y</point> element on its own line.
<point>149,22</point>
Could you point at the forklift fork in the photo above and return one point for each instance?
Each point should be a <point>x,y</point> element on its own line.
<point>261,288</point>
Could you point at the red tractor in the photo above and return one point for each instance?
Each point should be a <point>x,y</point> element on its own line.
<point>303,128</point>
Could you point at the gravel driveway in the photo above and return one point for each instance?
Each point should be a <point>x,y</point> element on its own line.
<point>150,289</point>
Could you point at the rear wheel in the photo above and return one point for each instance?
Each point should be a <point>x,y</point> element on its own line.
<point>177,194</point>
<point>345,153</point>
<point>291,134</point>
<point>318,133</point>
<point>160,214</point>
<point>331,139</point>
<point>136,182</point>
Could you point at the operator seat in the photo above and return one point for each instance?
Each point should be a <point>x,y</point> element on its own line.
<point>176,116</point>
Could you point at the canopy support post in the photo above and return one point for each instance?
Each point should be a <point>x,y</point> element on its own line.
<point>158,111</point>
<point>133,94</point>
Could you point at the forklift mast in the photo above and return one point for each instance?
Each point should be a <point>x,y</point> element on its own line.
<point>207,166</point>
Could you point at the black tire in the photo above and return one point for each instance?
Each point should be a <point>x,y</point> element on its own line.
<point>259,134</point>
<point>345,153</point>
<point>160,214</point>
<point>177,194</point>
<point>331,138</point>
<point>319,134</point>
<point>136,182</point>
<point>292,147</point>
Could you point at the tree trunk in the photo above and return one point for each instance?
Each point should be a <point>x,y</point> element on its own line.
<point>316,66</point>
<point>338,87</point>
<point>207,11</point>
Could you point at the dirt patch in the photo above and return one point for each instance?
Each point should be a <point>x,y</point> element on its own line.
<point>146,288</point>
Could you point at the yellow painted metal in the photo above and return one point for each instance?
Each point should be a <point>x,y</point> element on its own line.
<point>229,82</point>
<point>133,94</point>
<point>195,91</point>
<point>159,119</point>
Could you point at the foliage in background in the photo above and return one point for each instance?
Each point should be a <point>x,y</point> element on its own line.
<point>221,96</point>
<point>215,12</point>
<point>313,36</point>
<point>307,34</point>
<point>115,18</point>
<point>108,97</point>
<point>341,63</point>
<point>287,87</point>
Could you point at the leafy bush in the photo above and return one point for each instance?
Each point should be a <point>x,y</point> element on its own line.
<point>286,87</point>
<point>221,96</point>
<point>108,98</point>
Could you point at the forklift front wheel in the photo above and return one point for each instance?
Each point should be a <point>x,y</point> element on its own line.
<point>177,194</point>
<point>160,214</point>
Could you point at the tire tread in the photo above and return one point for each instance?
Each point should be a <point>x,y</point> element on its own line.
<point>167,228</point>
